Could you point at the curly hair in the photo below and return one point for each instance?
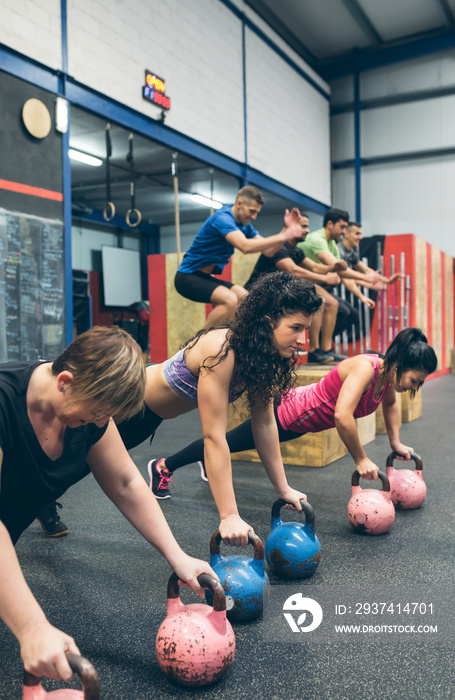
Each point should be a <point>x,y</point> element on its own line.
<point>410,351</point>
<point>259,368</point>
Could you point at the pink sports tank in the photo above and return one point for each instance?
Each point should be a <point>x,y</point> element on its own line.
<point>309,409</point>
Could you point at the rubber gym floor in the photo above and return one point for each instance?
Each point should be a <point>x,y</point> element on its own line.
<point>106,586</point>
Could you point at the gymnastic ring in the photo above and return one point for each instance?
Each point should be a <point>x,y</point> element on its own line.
<point>109,211</point>
<point>135,212</point>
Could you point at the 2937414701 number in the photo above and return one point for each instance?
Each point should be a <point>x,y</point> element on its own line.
<point>393,608</point>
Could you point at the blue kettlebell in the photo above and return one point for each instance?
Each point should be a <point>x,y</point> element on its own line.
<point>292,550</point>
<point>244,580</point>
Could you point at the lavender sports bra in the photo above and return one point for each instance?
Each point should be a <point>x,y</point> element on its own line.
<point>182,380</point>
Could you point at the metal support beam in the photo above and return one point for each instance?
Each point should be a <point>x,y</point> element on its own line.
<point>245,98</point>
<point>390,100</point>
<point>395,158</point>
<point>67,219</point>
<point>447,10</point>
<point>357,149</point>
<point>388,55</point>
<point>363,21</point>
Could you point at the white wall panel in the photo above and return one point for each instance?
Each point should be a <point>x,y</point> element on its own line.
<point>282,45</point>
<point>342,136</point>
<point>32,27</point>
<point>342,90</point>
<point>343,189</point>
<point>427,73</point>
<point>288,123</point>
<point>112,44</point>
<point>413,197</point>
<point>412,126</point>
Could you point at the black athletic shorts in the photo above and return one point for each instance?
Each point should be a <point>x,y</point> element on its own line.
<point>198,286</point>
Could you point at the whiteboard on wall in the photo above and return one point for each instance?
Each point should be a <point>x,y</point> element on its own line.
<point>121,276</point>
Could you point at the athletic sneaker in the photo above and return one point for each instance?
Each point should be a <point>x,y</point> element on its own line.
<point>203,472</point>
<point>337,357</point>
<point>320,357</point>
<point>159,480</point>
<point>50,521</point>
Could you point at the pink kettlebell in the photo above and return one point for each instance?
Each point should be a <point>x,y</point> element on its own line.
<point>369,510</point>
<point>195,644</point>
<point>33,690</point>
<point>407,487</point>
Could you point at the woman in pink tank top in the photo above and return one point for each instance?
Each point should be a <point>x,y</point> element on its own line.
<point>352,389</point>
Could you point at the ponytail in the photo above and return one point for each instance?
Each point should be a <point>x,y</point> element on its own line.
<point>410,351</point>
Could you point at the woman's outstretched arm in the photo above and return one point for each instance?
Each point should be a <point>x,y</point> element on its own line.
<point>266,438</point>
<point>43,646</point>
<point>392,420</point>
<point>213,402</point>
<point>358,379</point>
<point>122,482</point>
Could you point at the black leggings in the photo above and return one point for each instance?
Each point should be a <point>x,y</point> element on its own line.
<point>139,428</point>
<point>238,439</point>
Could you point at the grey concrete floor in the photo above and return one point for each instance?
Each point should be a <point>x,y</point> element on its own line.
<point>104,585</point>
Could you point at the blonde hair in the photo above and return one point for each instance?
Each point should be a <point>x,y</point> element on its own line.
<point>107,368</point>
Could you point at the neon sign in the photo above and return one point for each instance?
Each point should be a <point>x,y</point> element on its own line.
<point>154,90</point>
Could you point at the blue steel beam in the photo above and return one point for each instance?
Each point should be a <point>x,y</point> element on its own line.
<point>29,70</point>
<point>363,21</point>
<point>254,177</point>
<point>447,11</point>
<point>395,158</point>
<point>66,172</point>
<point>90,100</point>
<point>357,150</point>
<point>389,100</point>
<point>387,55</point>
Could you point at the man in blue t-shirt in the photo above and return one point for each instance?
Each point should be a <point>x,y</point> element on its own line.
<point>227,229</point>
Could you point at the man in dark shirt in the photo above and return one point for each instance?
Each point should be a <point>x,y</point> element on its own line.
<point>292,259</point>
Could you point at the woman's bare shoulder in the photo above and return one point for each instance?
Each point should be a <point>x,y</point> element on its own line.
<point>358,363</point>
<point>208,349</point>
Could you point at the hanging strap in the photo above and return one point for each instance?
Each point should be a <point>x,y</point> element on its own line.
<point>175,177</point>
<point>133,215</point>
<point>109,209</point>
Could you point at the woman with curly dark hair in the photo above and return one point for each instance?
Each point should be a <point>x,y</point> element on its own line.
<point>253,353</point>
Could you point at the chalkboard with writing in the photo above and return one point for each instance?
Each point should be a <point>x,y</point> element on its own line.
<point>32,287</point>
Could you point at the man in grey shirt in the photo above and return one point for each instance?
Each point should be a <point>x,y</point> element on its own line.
<point>349,252</point>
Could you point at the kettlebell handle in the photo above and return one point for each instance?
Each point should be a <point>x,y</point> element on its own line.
<point>307,509</point>
<point>206,581</point>
<point>385,482</point>
<point>253,539</point>
<point>85,671</point>
<point>414,456</point>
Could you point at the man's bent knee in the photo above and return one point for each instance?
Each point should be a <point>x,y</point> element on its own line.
<point>224,297</point>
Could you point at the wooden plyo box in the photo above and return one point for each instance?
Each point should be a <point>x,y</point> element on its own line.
<point>380,424</point>
<point>366,427</point>
<point>312,449</point>
<point>411,408</point>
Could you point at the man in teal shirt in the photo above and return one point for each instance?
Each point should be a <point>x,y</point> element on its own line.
<point>321,246</point>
